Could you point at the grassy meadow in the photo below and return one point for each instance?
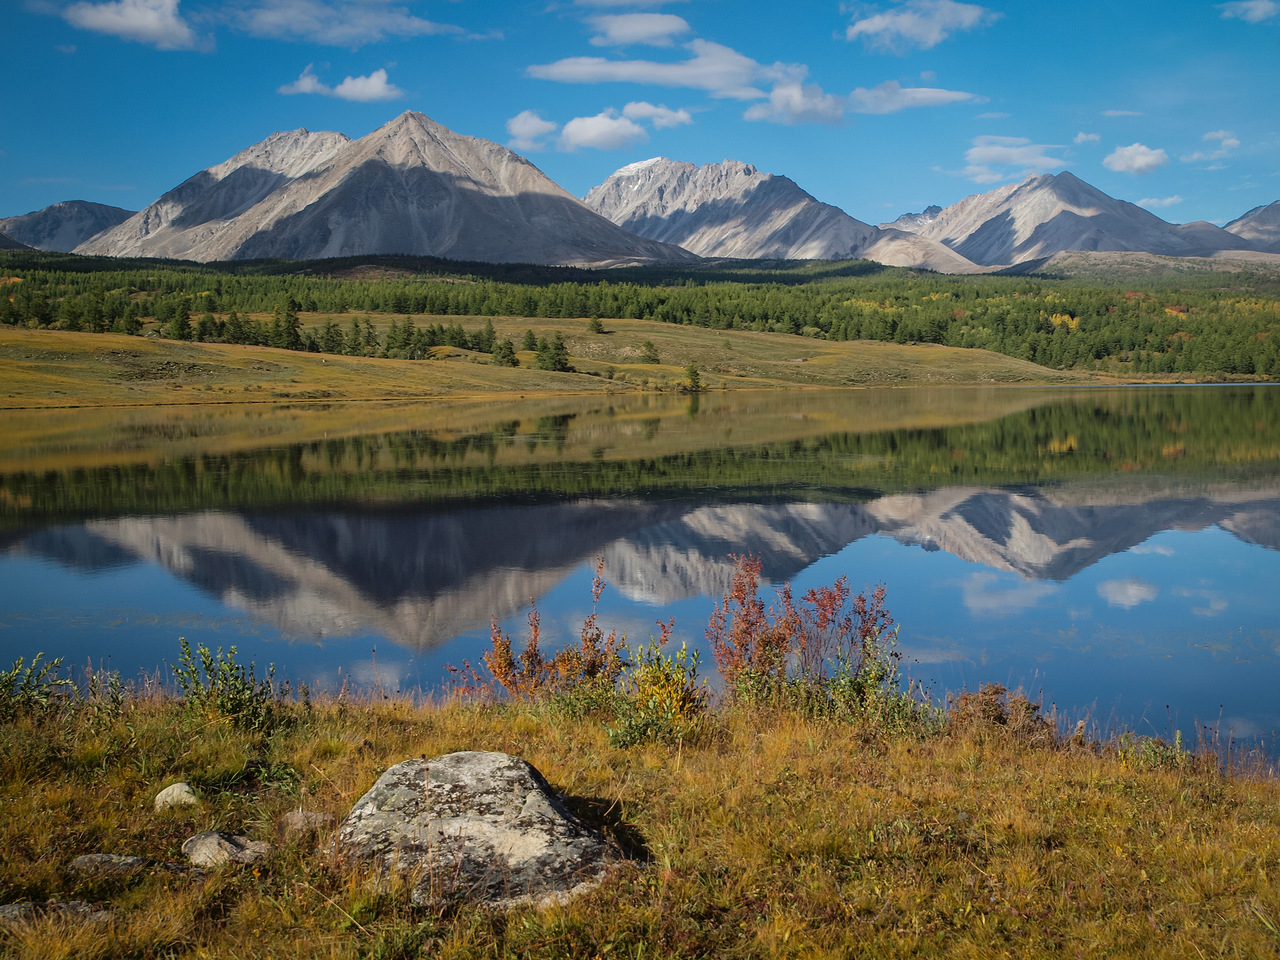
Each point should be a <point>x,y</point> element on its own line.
<point>48,368</point>
<point>762,832</point>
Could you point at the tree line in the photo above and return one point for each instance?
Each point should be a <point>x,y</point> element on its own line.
<point>1214,324</point>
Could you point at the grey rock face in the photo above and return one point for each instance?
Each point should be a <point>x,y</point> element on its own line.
<point>410,187</point>
<point>731,209</point>
<point>176,795</point>
<point>471,825</point>
<point>63,226</point>
<point>1260,227</point>
<point>117,865</point>
<point>214,848</point>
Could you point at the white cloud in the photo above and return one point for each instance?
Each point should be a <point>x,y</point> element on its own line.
<point>1156,202</point>
<point>982,596</point>
<point>604,131</point>
<point>1127,593</point>
<point>1136,159</point>
<point>890,97</point>
<point>1121,113</point>
<point>991,159</point>
<point>153,22</point>
<point>67,48</point>
<point>660,115</point>
<point>993,116</point>
<point>655,29</point>
<point>1251,11</point>
<point>528,131</point>
<point>918,24</point>
<point>1149,548</point>
<point>792,101</point>
<point>371,89</point>
<point>1083,137</point>
<point>1226,141</point>
<point>338,23</point>
<point>1216,602</point>
<point>717,69</point>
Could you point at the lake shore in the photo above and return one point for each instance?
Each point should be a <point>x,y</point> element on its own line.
<point>762,833</point>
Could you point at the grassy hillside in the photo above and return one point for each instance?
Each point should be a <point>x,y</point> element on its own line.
<point>46,368</point>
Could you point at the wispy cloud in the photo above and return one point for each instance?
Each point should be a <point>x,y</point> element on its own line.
<point>1127,593</point>
<point>529,131</point>
<point>1154,203</point>
<point>918,24</point>
<point>661,116</point>
<point>984,597</point>
<point>156,23</point>
<point>1215,603</point>
<point>715,68</point>
<point>1226,141</point>
<point>1136,159</point>
<point>371,89</point>
<point>1251,11</point>
<point>1121,113</point>
<point>890,97</point>
<point>792,101</point>
<point>1083,137</point>
<point>992,159</point>
<point>337,23</point>
<point>655,29</point>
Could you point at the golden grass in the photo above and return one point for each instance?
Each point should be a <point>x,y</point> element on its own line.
<point>769,835</point>
<point>46,368</point>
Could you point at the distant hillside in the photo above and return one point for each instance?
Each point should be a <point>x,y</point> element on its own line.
<point>411,187</point>
<point>1050,214</point>
<point>8,243</point>
<point>1260,226</point>
<point>63,226</point>
<point>731,209</point>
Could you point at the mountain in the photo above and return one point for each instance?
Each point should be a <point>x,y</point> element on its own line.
<point>731,209</point>
<point>63,226</point>
<point>8,243</point>
<point>1260,226</point>
<point>410,187</point>
<point>1049,214</point>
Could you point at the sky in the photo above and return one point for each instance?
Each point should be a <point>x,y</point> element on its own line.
<point>881,108</point>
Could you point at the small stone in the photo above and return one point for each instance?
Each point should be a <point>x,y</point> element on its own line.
<point>305,821</point>
<point>214,848</point>
<point>176,795</point>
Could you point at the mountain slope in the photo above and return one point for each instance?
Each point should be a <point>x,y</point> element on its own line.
<point>410,187</point>
<point>731,209</point>
<point>63,226</point>
<point>1049,214</point>
<point>1260,226</point>
<point>8,243</point>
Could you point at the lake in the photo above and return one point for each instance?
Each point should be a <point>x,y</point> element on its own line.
<point>1114,551</point>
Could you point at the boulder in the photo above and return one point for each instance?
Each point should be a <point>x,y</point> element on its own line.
<point>119,865</point>
<point>176,795</point>
<point>214,848</point>
<point>477,826</point>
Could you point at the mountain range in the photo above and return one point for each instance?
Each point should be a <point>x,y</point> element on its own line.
<point>415,187</point>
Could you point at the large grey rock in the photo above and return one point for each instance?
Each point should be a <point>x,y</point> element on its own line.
<point>176,795</point>
<point>214,848</point>
<point>471,825</point>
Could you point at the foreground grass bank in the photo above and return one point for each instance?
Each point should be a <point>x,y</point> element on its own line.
<point>761,833</point>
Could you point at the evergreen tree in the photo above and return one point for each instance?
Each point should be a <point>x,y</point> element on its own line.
<point>530,342</point>
<point>504,354</point>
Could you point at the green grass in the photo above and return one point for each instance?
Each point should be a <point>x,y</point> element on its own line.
<point>765,834</point>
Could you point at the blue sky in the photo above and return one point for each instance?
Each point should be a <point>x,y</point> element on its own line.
<point>880,108</point>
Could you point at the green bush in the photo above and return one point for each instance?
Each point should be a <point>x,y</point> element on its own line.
<point>661,700</point>
<point>32,690</point>
<point>218,688</point>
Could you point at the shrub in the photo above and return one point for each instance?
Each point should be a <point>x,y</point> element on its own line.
<point>661,699</point>
<point>34,689</point>
<point>993,711</point>
<point>218,688</point>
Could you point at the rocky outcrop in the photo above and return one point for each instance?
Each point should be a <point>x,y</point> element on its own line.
<point>473,826</point>
<point>27,912</point>
<point>63,226</point>
<point>213,848</point>
<point>411,187</point>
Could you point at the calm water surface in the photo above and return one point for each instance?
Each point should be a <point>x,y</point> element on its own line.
<point>1116,551</point>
